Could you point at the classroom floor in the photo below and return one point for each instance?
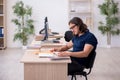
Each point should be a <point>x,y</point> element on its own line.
<point>106,66</point>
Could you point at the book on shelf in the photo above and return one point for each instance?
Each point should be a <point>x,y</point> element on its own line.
<point>0,30</point>
<point>1,35</point>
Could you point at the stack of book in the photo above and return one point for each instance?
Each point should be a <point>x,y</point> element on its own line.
<point>1,32</point>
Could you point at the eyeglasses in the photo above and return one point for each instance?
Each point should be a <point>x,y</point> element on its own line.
<point>72,27</point>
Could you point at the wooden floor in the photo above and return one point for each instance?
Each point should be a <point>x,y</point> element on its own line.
<point>106,65</point>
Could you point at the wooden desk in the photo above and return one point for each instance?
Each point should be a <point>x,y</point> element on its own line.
<point>47,45</point>
<point>36,68</point>
<point>40,37</point>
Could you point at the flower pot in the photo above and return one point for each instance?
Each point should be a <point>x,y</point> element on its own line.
<point>24,47</point>
<point>108,40</point>
<point>108,46</point>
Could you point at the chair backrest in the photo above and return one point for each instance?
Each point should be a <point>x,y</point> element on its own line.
<point>90,60</point>
<point>68,36</point>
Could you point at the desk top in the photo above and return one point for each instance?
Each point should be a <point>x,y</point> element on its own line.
<point>39,44</point>
<point>40,37</point>
<point>31,56</point>
<point>52,44</point>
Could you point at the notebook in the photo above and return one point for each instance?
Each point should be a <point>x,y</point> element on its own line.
<point>46,55</point>
<point>52,56</point>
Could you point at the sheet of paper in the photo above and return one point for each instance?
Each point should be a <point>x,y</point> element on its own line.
<point>52,56</point>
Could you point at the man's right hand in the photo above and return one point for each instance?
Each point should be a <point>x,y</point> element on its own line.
<point>55,49</point>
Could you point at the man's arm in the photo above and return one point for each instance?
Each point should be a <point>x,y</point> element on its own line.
<point>64,48</point>
<point>87,49</point>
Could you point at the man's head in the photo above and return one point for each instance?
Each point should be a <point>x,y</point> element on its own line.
<point>77,26</point>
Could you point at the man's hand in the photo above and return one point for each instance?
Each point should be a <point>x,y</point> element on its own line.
<point>55,50</point>
<point>64,54</point>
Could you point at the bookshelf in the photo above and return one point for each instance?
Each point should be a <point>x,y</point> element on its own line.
<point>2,25</point>
<point>82,9</point>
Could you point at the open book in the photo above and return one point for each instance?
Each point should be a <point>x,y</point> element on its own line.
<point>52,56</point>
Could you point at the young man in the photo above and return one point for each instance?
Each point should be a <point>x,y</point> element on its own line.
<point>83,43</point>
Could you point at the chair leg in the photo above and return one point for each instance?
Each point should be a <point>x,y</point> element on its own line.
<point>73,76</point>
<point>86,77</point>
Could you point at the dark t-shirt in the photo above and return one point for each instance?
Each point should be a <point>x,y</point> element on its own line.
<point>79,43</point>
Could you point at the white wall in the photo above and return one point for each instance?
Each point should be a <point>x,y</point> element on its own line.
<point>55,10</point>
<point>57,13</point>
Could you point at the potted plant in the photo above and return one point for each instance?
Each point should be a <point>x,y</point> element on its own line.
<point>24,23</point>
<point>110,10</point>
